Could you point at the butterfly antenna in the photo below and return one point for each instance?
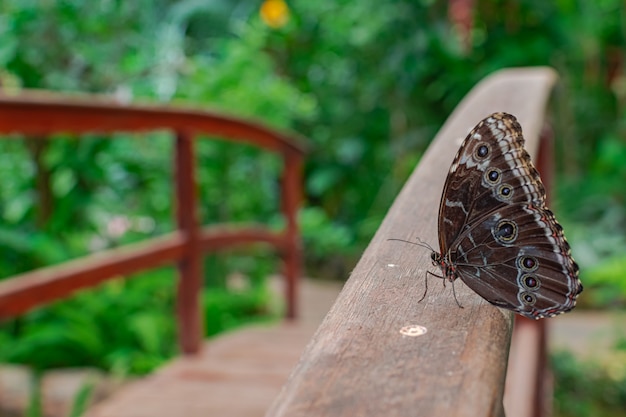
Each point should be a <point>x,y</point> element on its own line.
<point>425,244</point>
<point>419,243</point>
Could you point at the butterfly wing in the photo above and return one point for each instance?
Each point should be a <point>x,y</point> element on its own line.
<point>518,258</point>
<point>495,230</point>
<point>491,170</point>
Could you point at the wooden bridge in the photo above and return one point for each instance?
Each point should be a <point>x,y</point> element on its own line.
<point>357,362</point>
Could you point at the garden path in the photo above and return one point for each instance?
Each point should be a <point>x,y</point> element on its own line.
<point>236,374</point>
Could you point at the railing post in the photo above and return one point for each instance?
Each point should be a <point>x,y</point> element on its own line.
<point>292,251</point>
<point>189,312</point>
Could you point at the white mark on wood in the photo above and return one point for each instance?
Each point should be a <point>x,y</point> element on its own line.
<point>413,330</point>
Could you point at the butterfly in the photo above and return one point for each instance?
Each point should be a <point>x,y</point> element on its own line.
<point>496,233</point>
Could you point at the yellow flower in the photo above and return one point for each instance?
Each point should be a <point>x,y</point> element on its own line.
<point>275,13</point>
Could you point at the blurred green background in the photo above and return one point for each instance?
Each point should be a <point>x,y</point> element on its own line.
<point>368,82</point>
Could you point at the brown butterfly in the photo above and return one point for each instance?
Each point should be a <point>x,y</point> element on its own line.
<point>495,232</point>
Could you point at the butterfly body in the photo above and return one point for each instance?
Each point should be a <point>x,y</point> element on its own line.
<point>495,232</point>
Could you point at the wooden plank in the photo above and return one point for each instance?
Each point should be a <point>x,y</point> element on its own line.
<point>216,237</point>
<point>237,374</point>
<point>40,113</point>
<point>528,385</point>
<point>22,292</point>
<point>190,268</point>
<point>358,362</point>
<point>292,251</point>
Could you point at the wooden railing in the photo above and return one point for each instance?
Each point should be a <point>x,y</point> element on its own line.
<point>360,364</point>
<point>41,114</point>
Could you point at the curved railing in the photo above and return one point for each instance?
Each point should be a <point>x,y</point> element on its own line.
<point>40,114</point>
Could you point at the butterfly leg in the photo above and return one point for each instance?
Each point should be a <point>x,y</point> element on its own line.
<point>426,283</point>
<point>426,286</point>
<point>454,294</point>
<point>444,284</point>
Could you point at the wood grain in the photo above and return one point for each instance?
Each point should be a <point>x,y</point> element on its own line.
<point>358,363</point>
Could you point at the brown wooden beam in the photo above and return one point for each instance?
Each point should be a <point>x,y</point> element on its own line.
<point>189,309</point>
<point>292,251</point>
<point>26,291</point>
<point>359,362</point>
<point>218,237</point>
<point>38,113</point>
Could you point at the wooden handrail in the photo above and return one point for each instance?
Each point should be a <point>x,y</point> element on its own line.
<point>358,362</point>
<point>41,114</point>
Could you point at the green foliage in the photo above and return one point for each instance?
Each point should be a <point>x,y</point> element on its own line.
<point>589,388</point>
<point>378,81</point>
<point>125,326</point>
<point>79,406</point>
<point>225,310</point>
<point>595,386</point>
<point>82,49</point>
<point>226,77</point>
<point>34,403</point>
<point>82,400</point>
<point>607,282</point>
<point>327,243</point>
<point>595,208</point>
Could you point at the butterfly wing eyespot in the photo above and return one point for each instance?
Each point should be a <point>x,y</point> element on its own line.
<point>482,151</point>
<point>495,230</point>
<point>492,176</point>
<point>529,282</point>
<point>505,231</point>
<point>527,263</point>
<point>528,298</point>
<point>504,192</point>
